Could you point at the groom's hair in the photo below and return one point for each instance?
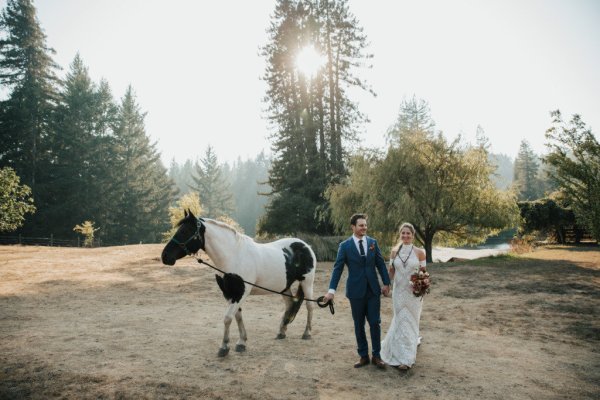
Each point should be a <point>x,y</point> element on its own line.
<point>356,217</point>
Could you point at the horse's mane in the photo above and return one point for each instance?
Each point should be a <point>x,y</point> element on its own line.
<point>224,225</point>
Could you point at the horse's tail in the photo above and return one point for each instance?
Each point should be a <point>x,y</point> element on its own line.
<point>296,304</point>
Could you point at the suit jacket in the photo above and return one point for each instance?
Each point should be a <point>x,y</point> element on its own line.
<point>361,270</point>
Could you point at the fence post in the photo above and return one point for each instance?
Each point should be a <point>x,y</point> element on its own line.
<point>78,245</point>
<point>51,239</point>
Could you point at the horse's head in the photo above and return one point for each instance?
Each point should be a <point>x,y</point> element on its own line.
<point>188,239</point>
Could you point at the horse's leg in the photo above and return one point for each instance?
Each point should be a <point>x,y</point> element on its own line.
<point>289,302</point>
<point>308,290</point>
<point>241,343</point>
<point>231,311</point>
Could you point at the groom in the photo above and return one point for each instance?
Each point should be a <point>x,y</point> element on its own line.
<point>362,256</point>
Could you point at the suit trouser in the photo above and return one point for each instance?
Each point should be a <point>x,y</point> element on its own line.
<point>367,308</point>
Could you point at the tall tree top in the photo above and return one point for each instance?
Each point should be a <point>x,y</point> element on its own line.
<point>414,117</point>
<point>23,50</point>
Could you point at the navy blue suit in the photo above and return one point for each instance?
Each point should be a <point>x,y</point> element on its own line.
<point>362,289</point>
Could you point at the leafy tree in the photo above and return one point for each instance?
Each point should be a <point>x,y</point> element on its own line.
<point>312,116</point>
<point>441,187</point>
<point>575,158</point>
<point>28,71</point>
<point>187,202</point>
<point>15,200</point>
<point>87,230</point>
<point>526,173</point>
<point>210,184</point>
<point>548,216</point>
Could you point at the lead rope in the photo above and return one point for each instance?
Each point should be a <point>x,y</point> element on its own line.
<point>319,301</point>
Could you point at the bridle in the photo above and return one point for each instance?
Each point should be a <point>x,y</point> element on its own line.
<point>199,234</point>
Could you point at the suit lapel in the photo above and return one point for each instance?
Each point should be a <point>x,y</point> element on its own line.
<point>354,250</point>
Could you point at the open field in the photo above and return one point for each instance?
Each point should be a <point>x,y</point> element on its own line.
<point>115,323</point>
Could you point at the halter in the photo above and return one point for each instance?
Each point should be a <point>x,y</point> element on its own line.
<point>199,234</point>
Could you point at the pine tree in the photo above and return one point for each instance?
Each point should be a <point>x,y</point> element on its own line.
<point>71,180</point>
<point>313,116</point>
<point>248,180</point>
<point>414,117</point>
<point>28,71</point>
<point>182,175</point>
<point>101,201</point>
<point>140,187</point>
<point>526,172</point>
<point>212,187</point>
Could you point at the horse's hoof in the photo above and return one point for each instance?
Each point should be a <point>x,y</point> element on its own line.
<point>240,348</point>
<point>280,336</point>
<point>307,336</point>
<point>223,352</point>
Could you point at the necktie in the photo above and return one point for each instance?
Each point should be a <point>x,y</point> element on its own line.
<point>361,248</point>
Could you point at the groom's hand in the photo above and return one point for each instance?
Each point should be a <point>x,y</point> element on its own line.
<point>385,290</point>
<point>327,297</point>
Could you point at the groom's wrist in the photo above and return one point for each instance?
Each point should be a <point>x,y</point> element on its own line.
<point>332,291</point>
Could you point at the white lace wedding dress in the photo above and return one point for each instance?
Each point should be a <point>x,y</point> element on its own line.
<point>399,347</point>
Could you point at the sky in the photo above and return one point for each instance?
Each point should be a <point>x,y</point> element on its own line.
<point>196,66</point>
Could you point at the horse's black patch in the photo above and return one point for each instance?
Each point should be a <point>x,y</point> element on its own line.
<point>298,263</point>
<point>232,286</point>
<point>291,312</point>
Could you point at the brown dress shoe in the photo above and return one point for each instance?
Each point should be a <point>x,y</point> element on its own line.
<point>378,362</point>
<point>362,362</point>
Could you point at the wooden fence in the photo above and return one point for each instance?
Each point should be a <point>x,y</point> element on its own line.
<point>52,241</point>
<point>41,241</point>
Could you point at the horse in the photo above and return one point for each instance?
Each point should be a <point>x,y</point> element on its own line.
<point>275,266</point>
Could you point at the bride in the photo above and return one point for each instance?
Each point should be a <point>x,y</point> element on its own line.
<point>399,347</point>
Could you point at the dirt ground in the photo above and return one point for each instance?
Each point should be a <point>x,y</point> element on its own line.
<point>115,323</point>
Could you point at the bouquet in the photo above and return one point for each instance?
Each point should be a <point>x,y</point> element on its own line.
<point>420,282</point>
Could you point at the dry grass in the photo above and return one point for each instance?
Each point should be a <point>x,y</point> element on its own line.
<point>115,323</point>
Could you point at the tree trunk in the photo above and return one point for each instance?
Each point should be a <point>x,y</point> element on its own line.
<point>428,246</point>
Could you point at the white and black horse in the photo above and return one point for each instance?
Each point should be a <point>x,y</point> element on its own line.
<point>275,265</point>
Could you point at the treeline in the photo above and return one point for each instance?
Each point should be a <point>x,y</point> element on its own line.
<point>85,155</point>
<point>237,191</point>
<point>70,153</point>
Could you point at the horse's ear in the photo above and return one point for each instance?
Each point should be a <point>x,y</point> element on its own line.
<point>191,214</point>
<point>185,213</point>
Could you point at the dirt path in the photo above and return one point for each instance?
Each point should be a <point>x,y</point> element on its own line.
<point>115,323</point>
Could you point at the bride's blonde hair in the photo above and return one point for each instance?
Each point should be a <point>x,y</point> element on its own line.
<point>399,242</point>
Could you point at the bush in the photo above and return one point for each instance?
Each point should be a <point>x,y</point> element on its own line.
<point>325,247</point>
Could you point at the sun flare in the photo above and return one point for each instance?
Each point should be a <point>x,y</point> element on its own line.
<point>309,61</point>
